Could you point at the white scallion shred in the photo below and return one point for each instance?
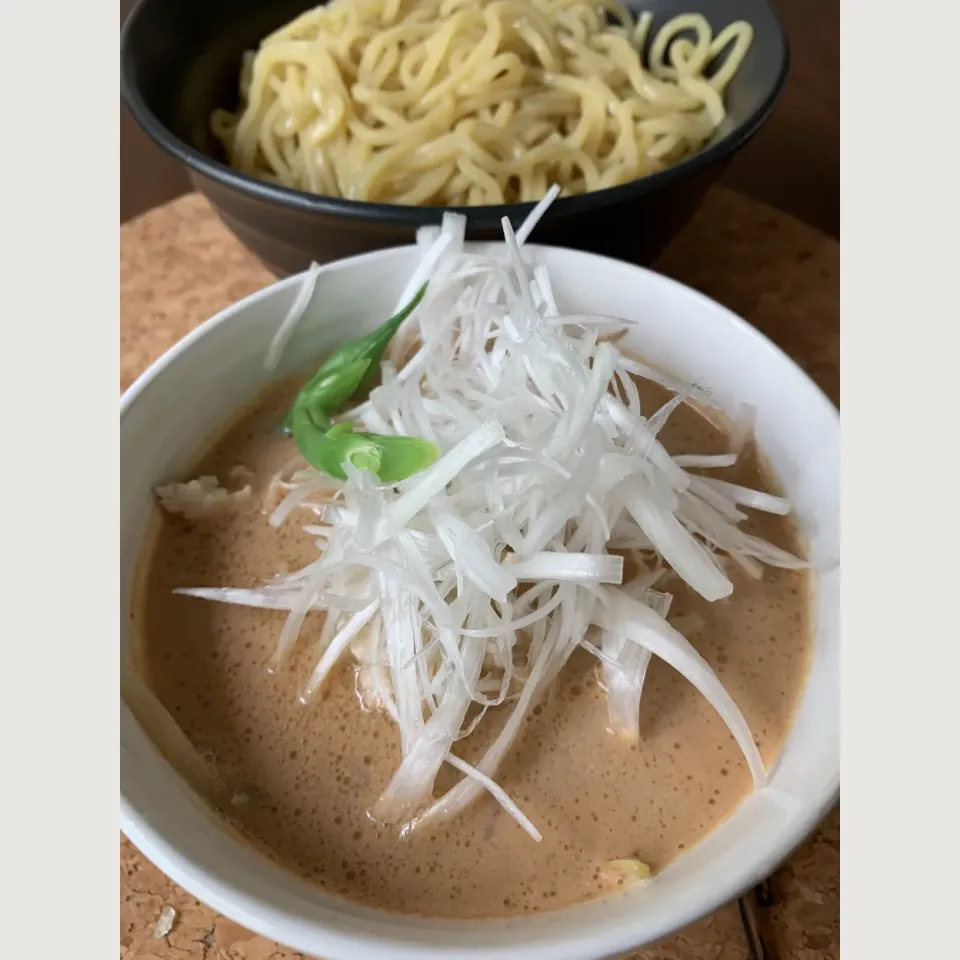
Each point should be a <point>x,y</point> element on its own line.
<point>294,315</point>
<point>548,464</point>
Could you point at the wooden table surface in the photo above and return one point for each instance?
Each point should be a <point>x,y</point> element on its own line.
<point>179,265</point>
<point>792,164</point>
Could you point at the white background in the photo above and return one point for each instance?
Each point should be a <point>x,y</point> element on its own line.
<point>59,356</point>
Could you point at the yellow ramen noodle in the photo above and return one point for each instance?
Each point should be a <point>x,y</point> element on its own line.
<point>472,102</point>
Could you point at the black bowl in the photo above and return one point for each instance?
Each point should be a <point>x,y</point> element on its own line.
<point>180,59</point>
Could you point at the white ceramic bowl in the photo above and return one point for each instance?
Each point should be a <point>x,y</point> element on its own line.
<point>192,389</point>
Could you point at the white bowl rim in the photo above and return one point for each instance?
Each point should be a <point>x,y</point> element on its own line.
<point>224,897</point>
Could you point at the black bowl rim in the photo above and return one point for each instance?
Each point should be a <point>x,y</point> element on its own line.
<point>414,216</point>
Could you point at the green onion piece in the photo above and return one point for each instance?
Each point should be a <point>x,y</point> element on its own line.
<point>353,367</point>
<point>329,390</point>
<point>391,458</point>
<point>400,457</point>
<point>328,448</point>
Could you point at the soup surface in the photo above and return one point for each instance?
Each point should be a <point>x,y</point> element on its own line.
<point>300,779</point>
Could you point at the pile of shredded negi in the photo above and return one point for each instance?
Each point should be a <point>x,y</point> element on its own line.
<point>470,584</point>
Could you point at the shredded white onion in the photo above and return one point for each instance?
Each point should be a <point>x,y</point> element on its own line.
<point>537,213</point>
<point>294,315</point>
<point>573,567</point>
<point>547,464</point>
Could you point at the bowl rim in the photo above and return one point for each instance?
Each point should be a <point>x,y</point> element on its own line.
<point>411,216</point>
<point>229,899</point>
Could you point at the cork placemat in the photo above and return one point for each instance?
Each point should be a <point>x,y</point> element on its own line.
<point>180,265</point>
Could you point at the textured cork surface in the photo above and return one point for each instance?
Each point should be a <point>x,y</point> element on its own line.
<point>180,265</point>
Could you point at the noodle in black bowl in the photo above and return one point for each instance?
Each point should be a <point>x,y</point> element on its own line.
<point>181,61</point>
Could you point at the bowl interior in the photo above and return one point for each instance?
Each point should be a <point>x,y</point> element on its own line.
<point>169,412</point>
<point>182,57</point>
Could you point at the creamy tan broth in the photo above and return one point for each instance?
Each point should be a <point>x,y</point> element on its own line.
<point>303,778</point>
